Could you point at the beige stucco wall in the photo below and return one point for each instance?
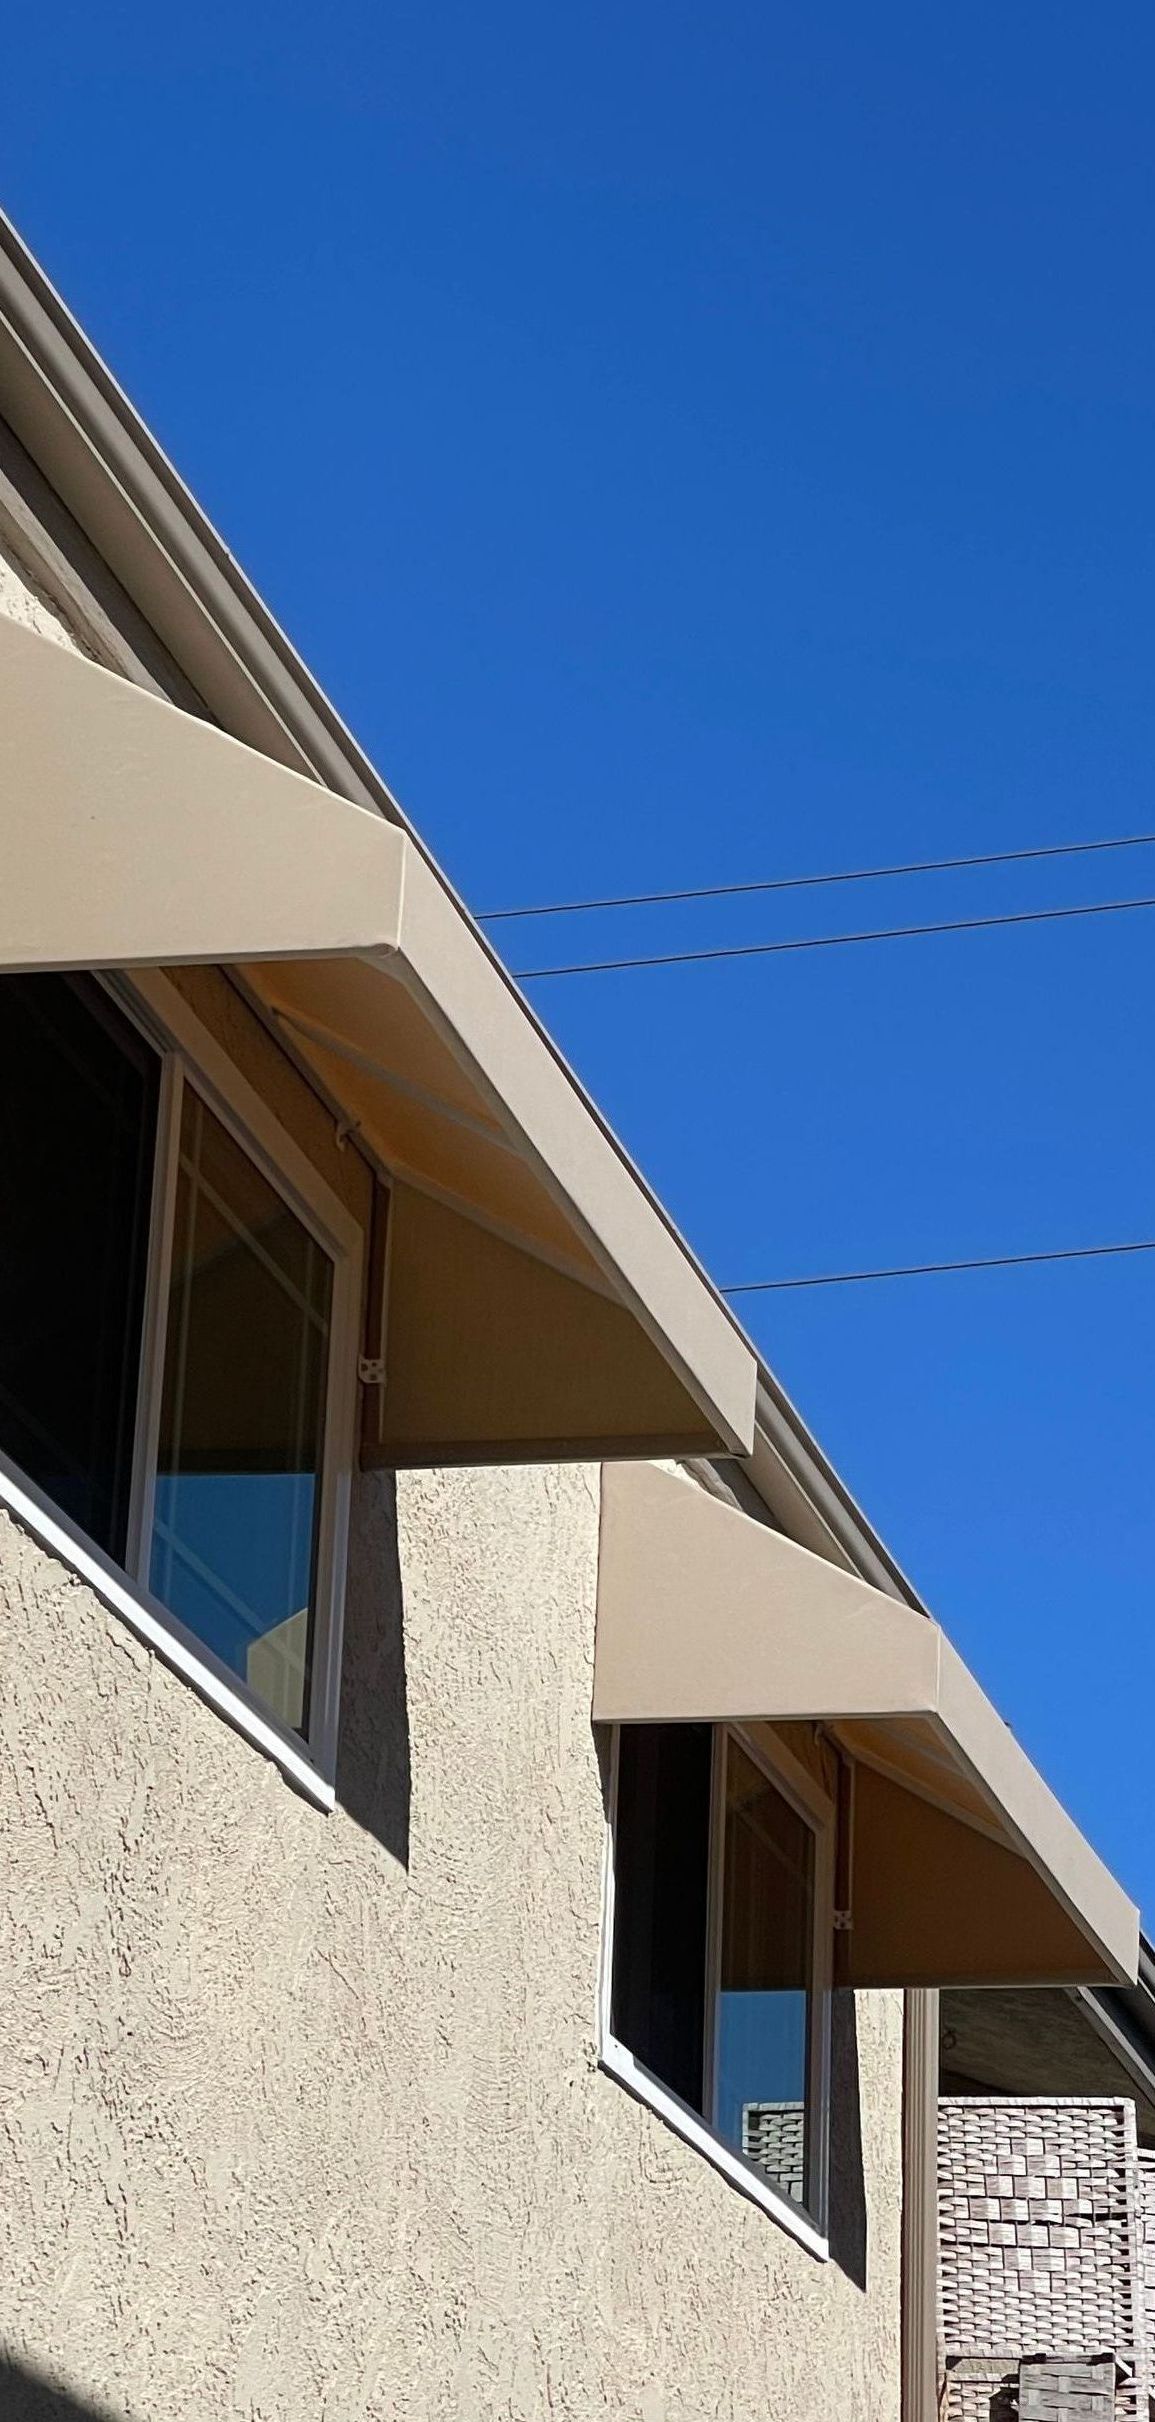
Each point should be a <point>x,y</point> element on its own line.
<point>301,2115</point>
<point>294,2128</point>
<point>27,603</point>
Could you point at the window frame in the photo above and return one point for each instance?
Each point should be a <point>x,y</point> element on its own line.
<point>190,1055</point>
<point>818,1812</point>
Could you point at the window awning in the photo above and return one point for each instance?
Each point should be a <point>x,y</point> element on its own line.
<point>539,1301</point>
<point>964,1869</point>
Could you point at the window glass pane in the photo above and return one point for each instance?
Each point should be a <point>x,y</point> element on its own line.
<point>242,1418</point>
<point>661,1880</point>
<point>78,1086</point>
<point>763,2012</point>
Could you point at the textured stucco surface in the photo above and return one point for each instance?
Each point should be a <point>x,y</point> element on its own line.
<point>24,602</point>
<point>294,2129</point>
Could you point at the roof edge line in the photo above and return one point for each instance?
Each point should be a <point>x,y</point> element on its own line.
<point>77,386</point>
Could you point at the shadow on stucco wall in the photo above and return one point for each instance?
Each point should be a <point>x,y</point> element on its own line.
<point>847,2180</point>
<point>26,2395</point>
<point>373,1762</point>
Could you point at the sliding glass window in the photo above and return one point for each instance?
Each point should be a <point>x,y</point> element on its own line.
<point>169,1347</point>
<point>720,1947</point>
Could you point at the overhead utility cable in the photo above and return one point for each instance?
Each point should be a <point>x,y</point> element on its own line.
<point>832,941</point>
<point>857,874</point>
<point>936,1269</point>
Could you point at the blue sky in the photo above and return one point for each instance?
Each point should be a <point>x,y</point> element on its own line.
<point>693,445</point>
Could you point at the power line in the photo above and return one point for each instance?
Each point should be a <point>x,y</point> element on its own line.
<point>858,874</point>
<point>936,1269</point>
<point>831,941</point>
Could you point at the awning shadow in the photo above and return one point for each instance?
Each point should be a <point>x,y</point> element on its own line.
<point>373,1757</point>
<point>847,2180</point>
<point>27,2395</point>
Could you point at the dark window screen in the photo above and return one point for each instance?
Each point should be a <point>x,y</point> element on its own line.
<point>78,1099</point>
<point>661,1875</point>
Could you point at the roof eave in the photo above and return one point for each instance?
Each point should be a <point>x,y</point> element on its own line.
<point>94,450</point>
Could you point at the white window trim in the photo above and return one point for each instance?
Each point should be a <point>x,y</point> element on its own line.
<point>156,1628</point>
<point>174,1030</point>
<point>620,2063</point>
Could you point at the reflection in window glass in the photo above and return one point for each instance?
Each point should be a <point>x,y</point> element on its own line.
<point>762,2018</point>
<point>242,1420</point>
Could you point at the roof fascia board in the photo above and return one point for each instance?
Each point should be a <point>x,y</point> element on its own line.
<point>1131,2010</point>
<point>52,553</point>
<point>81,430</point>
<point>1101,2007</point>
<point>82,433</point>
<point>803,1490</point>
<point>131,506</point>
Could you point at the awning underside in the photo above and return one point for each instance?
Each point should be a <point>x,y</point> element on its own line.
<point>497,1306</point>
<point>539,1302</point>
<point>963,1867</point>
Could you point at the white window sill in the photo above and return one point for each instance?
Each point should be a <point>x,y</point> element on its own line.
<point>620,2063</point>
<point>150,1624</point>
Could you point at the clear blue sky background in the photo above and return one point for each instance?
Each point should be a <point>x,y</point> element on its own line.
<point>694,444</point>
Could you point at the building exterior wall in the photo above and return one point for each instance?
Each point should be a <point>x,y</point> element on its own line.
<point>302,2115</point>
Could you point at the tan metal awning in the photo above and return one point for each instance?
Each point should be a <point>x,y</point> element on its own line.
<point>965,1868</point>
<point>539,1301</point>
